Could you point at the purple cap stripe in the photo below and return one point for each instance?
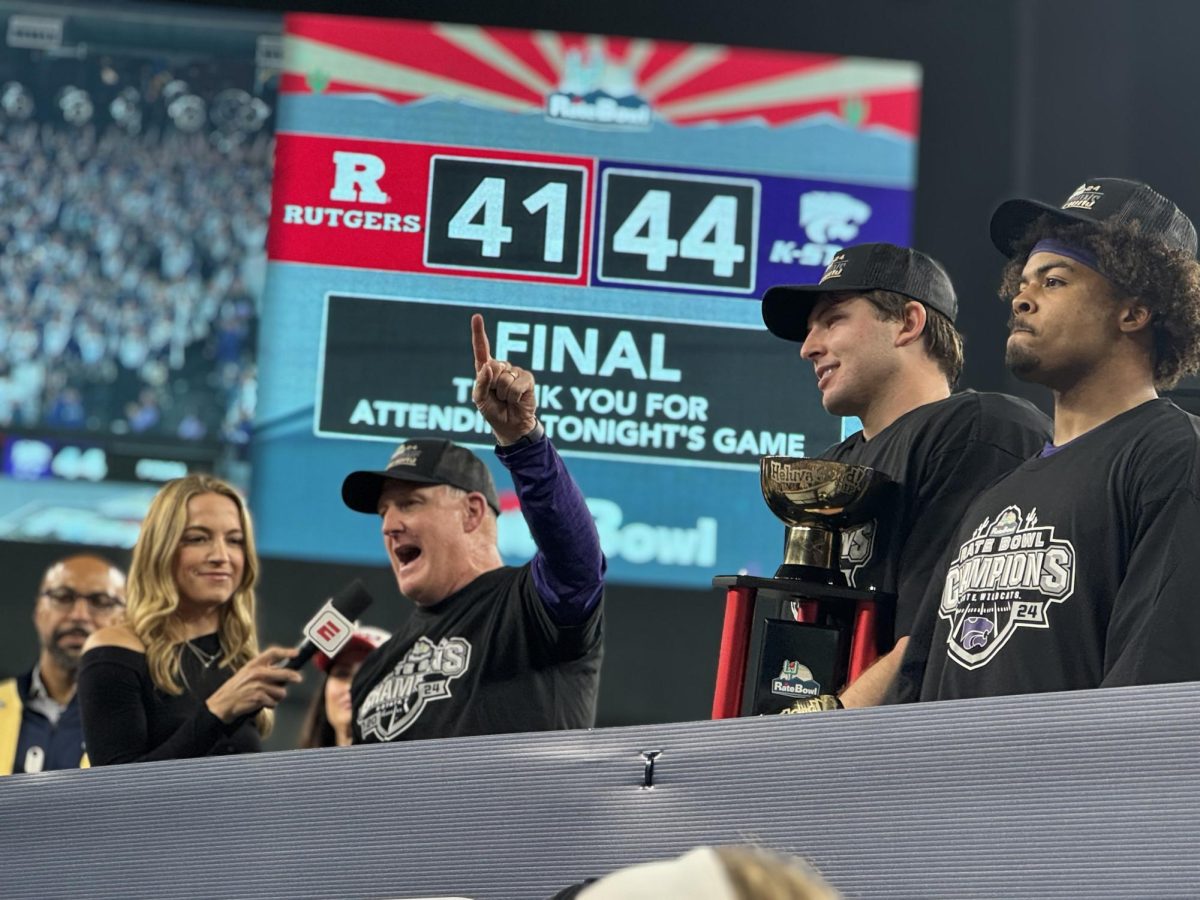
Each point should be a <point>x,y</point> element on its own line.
<point>1048,245</point>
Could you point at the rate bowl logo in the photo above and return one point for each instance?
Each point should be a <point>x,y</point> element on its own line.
<point>634,542</point>
<point>597,91</point>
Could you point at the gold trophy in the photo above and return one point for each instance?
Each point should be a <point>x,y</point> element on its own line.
<point>790,642</point>
<point>816,499</point>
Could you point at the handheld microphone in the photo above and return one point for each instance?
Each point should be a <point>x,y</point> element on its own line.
<point>328,631</point>
<point>333,625</point>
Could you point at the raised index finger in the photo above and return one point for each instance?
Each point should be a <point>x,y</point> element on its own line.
<point>479,342</point>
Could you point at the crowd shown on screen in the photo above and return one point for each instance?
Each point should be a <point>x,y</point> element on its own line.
<point>130,266</point>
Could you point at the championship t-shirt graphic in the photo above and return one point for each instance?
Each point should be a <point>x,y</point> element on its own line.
<point>858,544</point>
<point>1004,577</point>
<point>423,675</point>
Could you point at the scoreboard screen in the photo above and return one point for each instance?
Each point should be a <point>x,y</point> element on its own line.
<point>615,208</point>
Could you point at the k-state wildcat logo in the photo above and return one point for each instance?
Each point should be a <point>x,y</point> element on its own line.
<point>422,676</point>
<point>1004,577</point>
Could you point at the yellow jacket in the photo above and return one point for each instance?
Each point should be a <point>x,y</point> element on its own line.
<point>10,726</point>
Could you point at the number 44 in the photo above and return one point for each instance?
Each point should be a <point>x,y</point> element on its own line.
<point>711,237</point>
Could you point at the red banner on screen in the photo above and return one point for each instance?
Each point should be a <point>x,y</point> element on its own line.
<point>370,204</point>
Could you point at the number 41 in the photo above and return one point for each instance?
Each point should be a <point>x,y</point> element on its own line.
<point>493,234</point>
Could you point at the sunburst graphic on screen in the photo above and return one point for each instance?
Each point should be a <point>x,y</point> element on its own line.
<point>521,71</point>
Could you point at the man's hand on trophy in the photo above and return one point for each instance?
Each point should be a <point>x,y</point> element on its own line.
<point>504,393</point>
<point>820,703</point>
<point>872,686</point>
<point>868,689</point>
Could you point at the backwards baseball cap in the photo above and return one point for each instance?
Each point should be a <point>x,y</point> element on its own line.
<point>1099,200</point>
<point>425,461</point>
<point>362,641</point>
<point>864,267</point>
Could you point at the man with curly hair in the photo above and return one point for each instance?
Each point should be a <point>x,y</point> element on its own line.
<point>1079,568</point>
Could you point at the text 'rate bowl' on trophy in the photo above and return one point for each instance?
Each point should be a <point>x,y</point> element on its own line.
<point>804,633</point>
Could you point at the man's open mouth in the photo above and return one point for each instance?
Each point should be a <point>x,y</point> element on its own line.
<point>407,554</point>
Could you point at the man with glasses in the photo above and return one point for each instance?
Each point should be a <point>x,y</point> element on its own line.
<point>40,726</point>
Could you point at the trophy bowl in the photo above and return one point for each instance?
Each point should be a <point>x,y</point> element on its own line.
<point>816,498</point>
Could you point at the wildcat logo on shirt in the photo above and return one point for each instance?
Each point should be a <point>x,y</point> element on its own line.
<point>421,677</point>
<point>1003,578</point>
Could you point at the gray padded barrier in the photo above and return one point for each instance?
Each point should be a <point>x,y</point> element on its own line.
<point>1091,794</point>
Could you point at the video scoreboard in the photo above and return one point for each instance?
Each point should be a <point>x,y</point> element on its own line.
<point>615,208</point>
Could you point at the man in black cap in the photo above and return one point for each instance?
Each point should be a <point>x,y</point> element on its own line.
<point>879,331</point>
<point>1079,568</point>
<point>489,648</point>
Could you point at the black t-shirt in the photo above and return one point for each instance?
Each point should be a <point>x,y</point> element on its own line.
<point>127,719</point>
<point>939,457</point>
<point>486,660</point>
<point>1077,570</point>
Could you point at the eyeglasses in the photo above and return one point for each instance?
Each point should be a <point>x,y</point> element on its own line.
<point>64,599</point>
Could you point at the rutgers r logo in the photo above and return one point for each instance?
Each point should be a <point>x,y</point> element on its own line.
<point>356,178</point>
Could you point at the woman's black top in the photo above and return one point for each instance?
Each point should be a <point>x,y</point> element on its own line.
<point>127,719</point>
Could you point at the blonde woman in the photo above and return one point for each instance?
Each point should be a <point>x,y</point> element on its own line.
<point>181,676</point>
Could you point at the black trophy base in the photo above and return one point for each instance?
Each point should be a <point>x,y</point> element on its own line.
<point>776,639</point>
<point>798,661</point>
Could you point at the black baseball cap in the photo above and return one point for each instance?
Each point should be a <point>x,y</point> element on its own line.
<point>1098,200</point>
<point>863,267</point>
<point>425,461</point>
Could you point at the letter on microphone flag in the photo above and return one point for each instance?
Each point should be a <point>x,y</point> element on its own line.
<point>329,630</point>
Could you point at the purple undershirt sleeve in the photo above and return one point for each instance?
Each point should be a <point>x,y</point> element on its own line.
<point>568,569</point>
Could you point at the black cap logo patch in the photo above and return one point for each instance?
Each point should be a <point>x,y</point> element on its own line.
<point>1085,197</point>
<point>835,268</point>
<point>405,455</point>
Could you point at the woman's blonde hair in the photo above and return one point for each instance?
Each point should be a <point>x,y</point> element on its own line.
<point>152,596</point>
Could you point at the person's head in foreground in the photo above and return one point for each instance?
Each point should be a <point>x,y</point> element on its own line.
<point>735,872</point>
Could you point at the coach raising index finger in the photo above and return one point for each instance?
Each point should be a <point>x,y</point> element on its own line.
<point>504,393</point>
<point>519,647</point>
